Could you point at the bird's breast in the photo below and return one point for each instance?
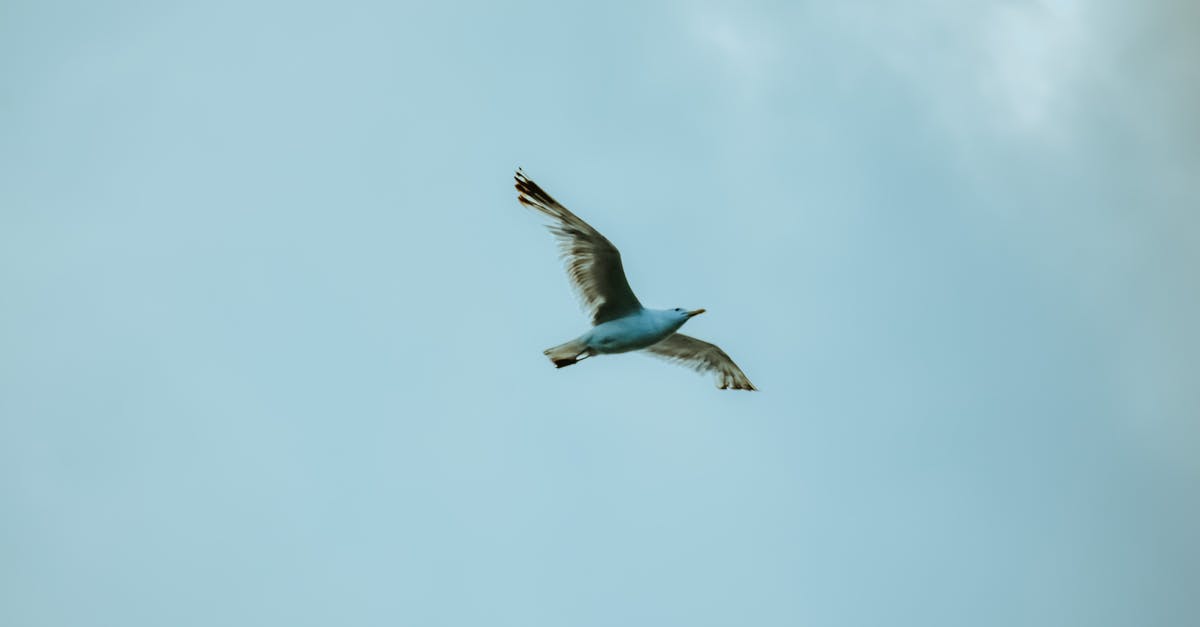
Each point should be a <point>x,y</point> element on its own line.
<point>626,334</point>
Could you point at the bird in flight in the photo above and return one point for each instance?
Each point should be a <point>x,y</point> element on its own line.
<point>619,322</point>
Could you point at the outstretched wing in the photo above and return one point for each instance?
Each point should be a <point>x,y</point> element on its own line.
<point>702,357</point>
<point>593,263</point>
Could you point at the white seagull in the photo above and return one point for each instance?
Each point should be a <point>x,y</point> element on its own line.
<point>619,322</point>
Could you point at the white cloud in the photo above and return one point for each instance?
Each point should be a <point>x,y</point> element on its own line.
<point>983,67</point>
<point>741,49</point>
<point>1031,54</point>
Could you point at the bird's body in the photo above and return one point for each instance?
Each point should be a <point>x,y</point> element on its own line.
<point>635,331</point>
<point>620,323</point>
<point>632,332</point>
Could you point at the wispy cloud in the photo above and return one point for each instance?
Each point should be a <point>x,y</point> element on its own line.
<point>739,48</point>
<point>1031,53</point>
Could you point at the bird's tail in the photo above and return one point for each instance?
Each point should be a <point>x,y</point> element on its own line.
<point>566,354</point>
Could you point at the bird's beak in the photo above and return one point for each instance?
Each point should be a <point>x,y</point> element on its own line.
<point>695,312</point>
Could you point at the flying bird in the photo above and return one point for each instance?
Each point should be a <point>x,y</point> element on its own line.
<point>619,321</point>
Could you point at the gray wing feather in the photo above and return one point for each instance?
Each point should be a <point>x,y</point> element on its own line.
<point>593,263</point>
<point>702,357</point>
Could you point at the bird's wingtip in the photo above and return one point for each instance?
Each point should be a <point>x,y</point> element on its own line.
<point>726,384</point>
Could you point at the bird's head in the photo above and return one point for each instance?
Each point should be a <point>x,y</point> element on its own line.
<point>683,315</point>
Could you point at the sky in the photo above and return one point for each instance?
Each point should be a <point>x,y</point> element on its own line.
<point>271,318</point>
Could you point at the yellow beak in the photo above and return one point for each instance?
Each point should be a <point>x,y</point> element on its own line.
<point>695,312</point>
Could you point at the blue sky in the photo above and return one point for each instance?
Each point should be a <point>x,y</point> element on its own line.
<point>272,319</point>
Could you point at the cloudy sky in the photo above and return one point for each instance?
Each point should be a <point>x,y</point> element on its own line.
<point>271,319</point>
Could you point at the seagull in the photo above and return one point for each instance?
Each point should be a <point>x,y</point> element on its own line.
<point>619,322</point>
